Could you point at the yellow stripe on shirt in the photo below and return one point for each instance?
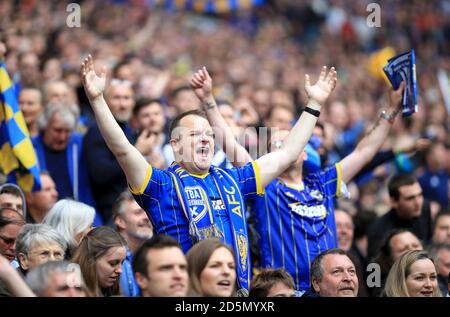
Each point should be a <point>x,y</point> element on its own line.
<point>259,187</point>
<point>144,184</point>
<point>339,180</point>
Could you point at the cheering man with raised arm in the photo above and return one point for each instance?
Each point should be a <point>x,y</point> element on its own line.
<point>295,217</point>
<point>193,200</point>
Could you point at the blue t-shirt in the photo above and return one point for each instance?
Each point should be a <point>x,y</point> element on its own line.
<point>128,284</point>
<point>296,224</point>
<point>159,198</point>
<point>58,167</point>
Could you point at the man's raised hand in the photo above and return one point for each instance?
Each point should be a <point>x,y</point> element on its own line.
<point>322,89</point>
<point>395,99</point>
<point>201,84</point>
<point>93,84</point>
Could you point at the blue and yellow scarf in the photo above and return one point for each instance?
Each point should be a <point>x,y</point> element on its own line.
<point>196,206</point>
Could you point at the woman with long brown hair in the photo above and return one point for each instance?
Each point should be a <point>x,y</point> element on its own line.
<point>100,256</point>
<point>212,269</point>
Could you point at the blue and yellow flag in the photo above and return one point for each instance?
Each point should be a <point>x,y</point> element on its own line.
<point>17,157</point>
<point>206,6</point>
<point>377,60</point>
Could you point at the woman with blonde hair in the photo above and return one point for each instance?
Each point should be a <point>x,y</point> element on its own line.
<point>412,275</point>
<point>100,256</point>
<point>212,269</point>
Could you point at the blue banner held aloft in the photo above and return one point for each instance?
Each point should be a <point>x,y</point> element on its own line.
<point>403,68</point>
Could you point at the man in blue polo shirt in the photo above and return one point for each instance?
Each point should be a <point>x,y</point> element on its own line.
<point>193,200</point>
<point>295,217</point>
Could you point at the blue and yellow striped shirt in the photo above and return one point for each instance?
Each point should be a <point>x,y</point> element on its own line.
<point>295,224</point>
<point>159,198</point>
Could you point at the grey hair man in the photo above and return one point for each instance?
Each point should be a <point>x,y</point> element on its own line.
<point>57,122</point>
<point>59,151</point>
<point>333,274</point>
<point>132,223</point>
<point>57,279</point>
<point>37,244</point>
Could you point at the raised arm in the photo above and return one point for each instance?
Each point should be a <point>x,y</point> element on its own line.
<point>12,280</point>
<point>273,164</point>
<point>374,139</point>
<point>132,162</point>
<point>201,84</point>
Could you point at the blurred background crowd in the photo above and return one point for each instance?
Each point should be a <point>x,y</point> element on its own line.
<point>257,58</point>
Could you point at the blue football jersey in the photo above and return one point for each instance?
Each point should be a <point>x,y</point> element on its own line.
<point>296,223</point>
<point>158,197</point>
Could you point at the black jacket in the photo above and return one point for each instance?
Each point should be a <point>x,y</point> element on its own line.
<point>105,174</point>
<point>421,227</point>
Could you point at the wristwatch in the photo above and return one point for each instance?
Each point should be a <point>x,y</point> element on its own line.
<point>388,117</point>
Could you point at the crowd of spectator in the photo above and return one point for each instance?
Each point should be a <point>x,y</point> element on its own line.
<point>85,234</point>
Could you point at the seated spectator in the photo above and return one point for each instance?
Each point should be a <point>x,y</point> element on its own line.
<point>441,255</point>
<point>212,269</point>
<point>160,268</point>
<point>412,275</point>
<point>37,244</point>
<point>441,231</point>
<point>13,197</point>
<point>100,256</point>
<point>333,274</point>
<point>72,219</point>
<point>40,202</point>
<point>396,243</point>
<point>132,223</point>
<point>272,283</point>
<point>57,279</point>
